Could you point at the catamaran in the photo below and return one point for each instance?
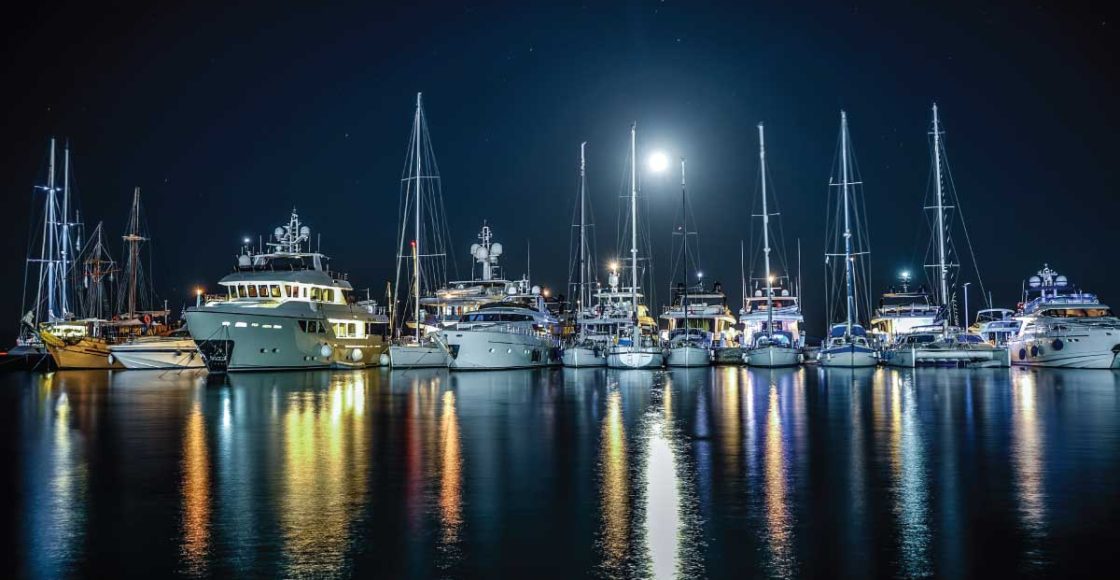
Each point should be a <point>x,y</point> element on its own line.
<point>942,344</point>
<point>847,344</point>
<point>634,349</point>
<point>420,191</point>
<point>585,348</point>
<point>779,342</point>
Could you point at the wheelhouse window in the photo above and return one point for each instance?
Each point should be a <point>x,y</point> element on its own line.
<point>275,291</point>
<point>328,295</point>
<point>287,290</point>
<point>316,293</point>
<point>252,291</point>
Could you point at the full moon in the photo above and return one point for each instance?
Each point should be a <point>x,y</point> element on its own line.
<point>658,162</point>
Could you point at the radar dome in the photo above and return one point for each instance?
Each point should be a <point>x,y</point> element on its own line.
<point>496,249</point>
<point>474,248</point>
<point>244,261</point>
<point>1034,281</point>
<point>480,253</point>
<point>1061,281</point>
<point>758,292</point>
<point>511,290</point>
<point>278,232</point>
<point>536,290</point>
<point>305,231</point>
<point>785,292</point>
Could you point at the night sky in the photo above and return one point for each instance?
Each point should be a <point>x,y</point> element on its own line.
<point>226,117</point>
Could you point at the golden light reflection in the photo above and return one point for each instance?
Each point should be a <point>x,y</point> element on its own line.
<point>779,534</point>
<point>451,493</point>
<point>325,464</point>
<point>1027,452</point>
<point>196,493</point>
<point>616,488</point>
<point>732,422</point>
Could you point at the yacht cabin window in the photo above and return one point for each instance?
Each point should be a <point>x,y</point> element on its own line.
<point>252,291</point>
<point>315,293</point>
<point>275,291</point>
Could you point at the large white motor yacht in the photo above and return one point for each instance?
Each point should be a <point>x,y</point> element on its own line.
<point>1063,326</point>
<point>515,333</point>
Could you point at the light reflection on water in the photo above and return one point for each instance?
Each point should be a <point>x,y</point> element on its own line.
<point>325,460</point>
<point>196,493</point>
<point>682,473</point>
<point>1027,457</point>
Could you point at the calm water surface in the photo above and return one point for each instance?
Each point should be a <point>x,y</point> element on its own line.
<point>563,473</point>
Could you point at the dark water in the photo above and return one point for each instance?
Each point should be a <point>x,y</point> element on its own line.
<point>562,473</point>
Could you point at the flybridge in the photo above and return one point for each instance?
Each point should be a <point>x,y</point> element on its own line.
<point>286,252</point>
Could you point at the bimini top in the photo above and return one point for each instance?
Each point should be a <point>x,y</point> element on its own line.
<point>839,330</point>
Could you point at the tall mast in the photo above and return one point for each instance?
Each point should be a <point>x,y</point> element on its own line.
<point>684,247</point>
<point>64,242</point>
<point>636,331</point>
<point>52,234</point>
<point>416,242</point>
<point>942,267</point>
<point>848,273</point>
<point>133,238</point>
<point>766,235</point>
<point>584,297</point>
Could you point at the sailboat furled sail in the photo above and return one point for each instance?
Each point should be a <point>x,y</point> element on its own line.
<point>846,258</point>
<point>421,253</point>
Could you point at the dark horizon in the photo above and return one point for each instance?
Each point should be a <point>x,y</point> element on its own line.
<point>226,120</point>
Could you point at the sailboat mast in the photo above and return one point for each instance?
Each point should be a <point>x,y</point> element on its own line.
<point>845,177</point>
<point>766,235</point>
<point>64,242</point>
<point>416,241</point>
<point>584,296</point>
<point>636,331</point>
<point>51,239</point>
<point>684,247</point>
<point>942,268</point>
<point>133,238</point>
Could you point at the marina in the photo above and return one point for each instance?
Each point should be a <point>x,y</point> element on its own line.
<point>650,289</point>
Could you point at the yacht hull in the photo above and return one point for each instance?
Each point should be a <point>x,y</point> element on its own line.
<point>583,357</point>
<point>849,356</point>
<point>772,356</point>
<point>158,354</point>
<point>635,358</point>
<point>418,356</point>
<point>497,350</point>
<point>728,355</point>
<point>86,353</point>
<point>688,356</point>
<point>258,342</point>
<point>947,357</point>
<point>1095,350</point>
